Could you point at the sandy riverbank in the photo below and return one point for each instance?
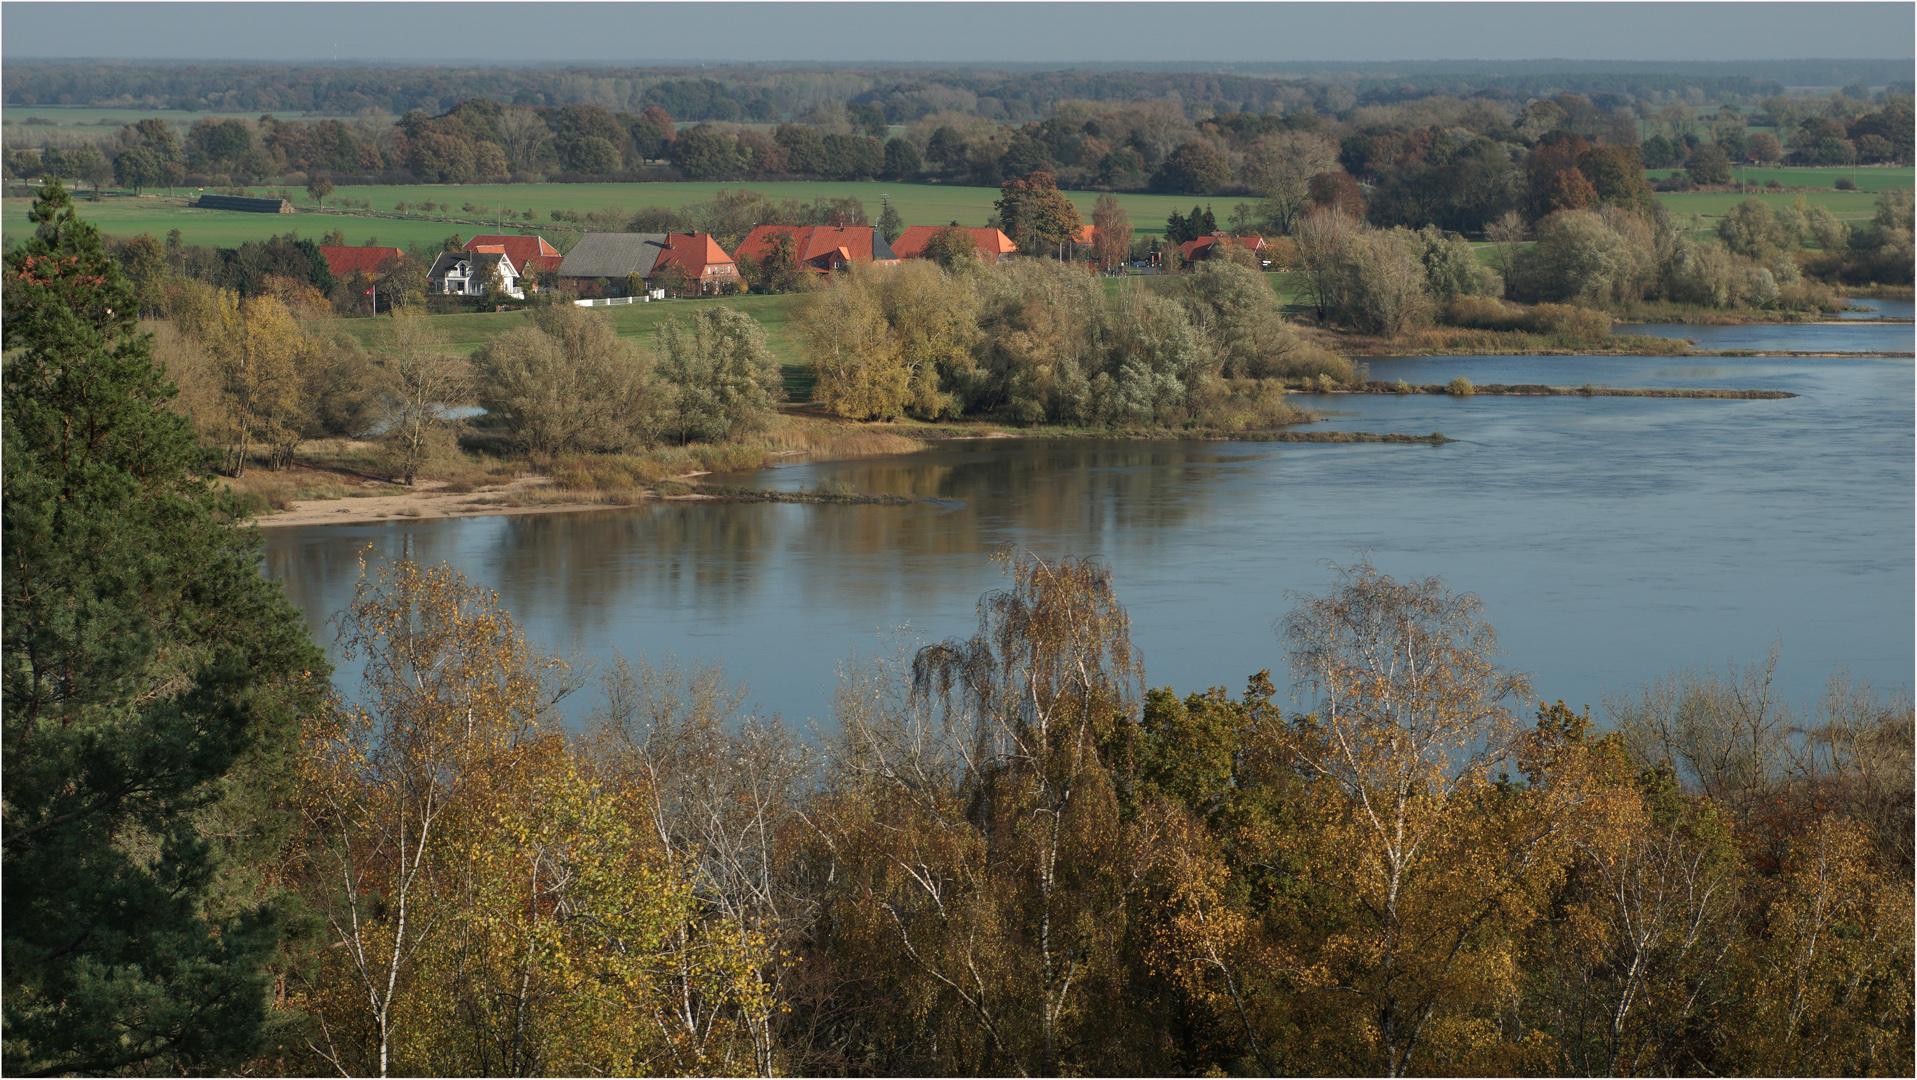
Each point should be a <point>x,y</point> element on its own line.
<point>421,503</point>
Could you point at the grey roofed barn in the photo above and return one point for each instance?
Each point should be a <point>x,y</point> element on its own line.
<point>613,255</point>
<point>235,202</point>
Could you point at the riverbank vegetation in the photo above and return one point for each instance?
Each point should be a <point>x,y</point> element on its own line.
<point>589,407</point>
<point>1032,340</point>
<point>1591,265</point>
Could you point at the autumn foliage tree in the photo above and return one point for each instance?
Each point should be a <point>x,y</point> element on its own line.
<point>1112,238</point>
<point>492,906</point>
<point>1432,875</point>
<point>976,826</point>
<point>1035,214</point>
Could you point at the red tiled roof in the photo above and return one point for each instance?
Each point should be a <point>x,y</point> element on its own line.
<point>692,253</point>
<point>989,242</point>
<point>1086,234</point>
<point>344,262</point>
<point>523,249</point>
<point>816,241</point>
<point>1190,249</point>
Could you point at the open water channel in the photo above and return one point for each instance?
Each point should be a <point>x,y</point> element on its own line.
<point>1610,539</point>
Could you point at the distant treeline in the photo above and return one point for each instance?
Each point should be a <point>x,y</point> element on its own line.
<point>906,93</point>
<point>1714,88</point>
<point>1808,72</point>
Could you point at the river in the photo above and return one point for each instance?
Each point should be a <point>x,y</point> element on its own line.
<point>1610,539</point>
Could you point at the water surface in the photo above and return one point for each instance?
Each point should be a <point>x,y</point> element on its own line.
<point>1881,309</point>
<point>1784,337</point>
<point>1611,539</point>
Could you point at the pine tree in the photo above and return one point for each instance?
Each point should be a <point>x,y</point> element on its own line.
<point>153,684</point>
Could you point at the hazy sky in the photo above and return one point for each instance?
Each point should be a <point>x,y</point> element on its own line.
<point>1062,33</point>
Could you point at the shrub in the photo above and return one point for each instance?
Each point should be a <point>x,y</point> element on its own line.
<point>1774,184</point>
<point>1460,387</point>
<point>1845,183</point>
<point>567,383</point>
<point>1485,313</point>
<point>1567,322</point>
<point>1401,387</point>
<point>724,379</point>
<point>1807,295</point>
<point>1570,323</point>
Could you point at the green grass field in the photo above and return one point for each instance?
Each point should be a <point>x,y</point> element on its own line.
<point>1845,204</point>
<point>918,204</point>
<point>1870,178</point>
<point>125,217</point>
<point>466,333</point>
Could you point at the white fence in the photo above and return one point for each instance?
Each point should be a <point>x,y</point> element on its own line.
<point>654,294</point>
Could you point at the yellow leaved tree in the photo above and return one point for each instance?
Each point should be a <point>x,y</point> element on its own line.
<point>1427,866</point>
<point>261,352</point>
<point>491,907</point>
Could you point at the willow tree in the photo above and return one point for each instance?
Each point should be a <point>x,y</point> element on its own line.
<point>723,379</point>
<point>569,384</point>
<point>978,847</point>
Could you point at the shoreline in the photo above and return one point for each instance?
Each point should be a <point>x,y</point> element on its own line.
<point>427,502</point>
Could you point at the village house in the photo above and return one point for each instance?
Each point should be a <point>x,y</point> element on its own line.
<point>823,249</point>
<point>688,262</point>
<point>368,262</point>
<point>1205,247</point>
<point>988,243</point>
<point>465,273</point>
<point>531,254</point>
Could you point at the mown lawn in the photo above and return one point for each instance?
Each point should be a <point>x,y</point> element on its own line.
<point>918,204</point>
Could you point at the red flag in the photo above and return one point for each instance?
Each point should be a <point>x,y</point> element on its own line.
<point>368,292</point>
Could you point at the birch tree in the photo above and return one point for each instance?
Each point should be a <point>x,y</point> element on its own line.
<point>1407,827</point>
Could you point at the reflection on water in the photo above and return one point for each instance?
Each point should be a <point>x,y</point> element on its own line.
<point>1611,539</point>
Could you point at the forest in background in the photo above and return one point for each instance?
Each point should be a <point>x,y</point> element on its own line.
<point>996,92</point>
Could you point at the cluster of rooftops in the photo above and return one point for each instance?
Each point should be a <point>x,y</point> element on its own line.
<point>691,262</point>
